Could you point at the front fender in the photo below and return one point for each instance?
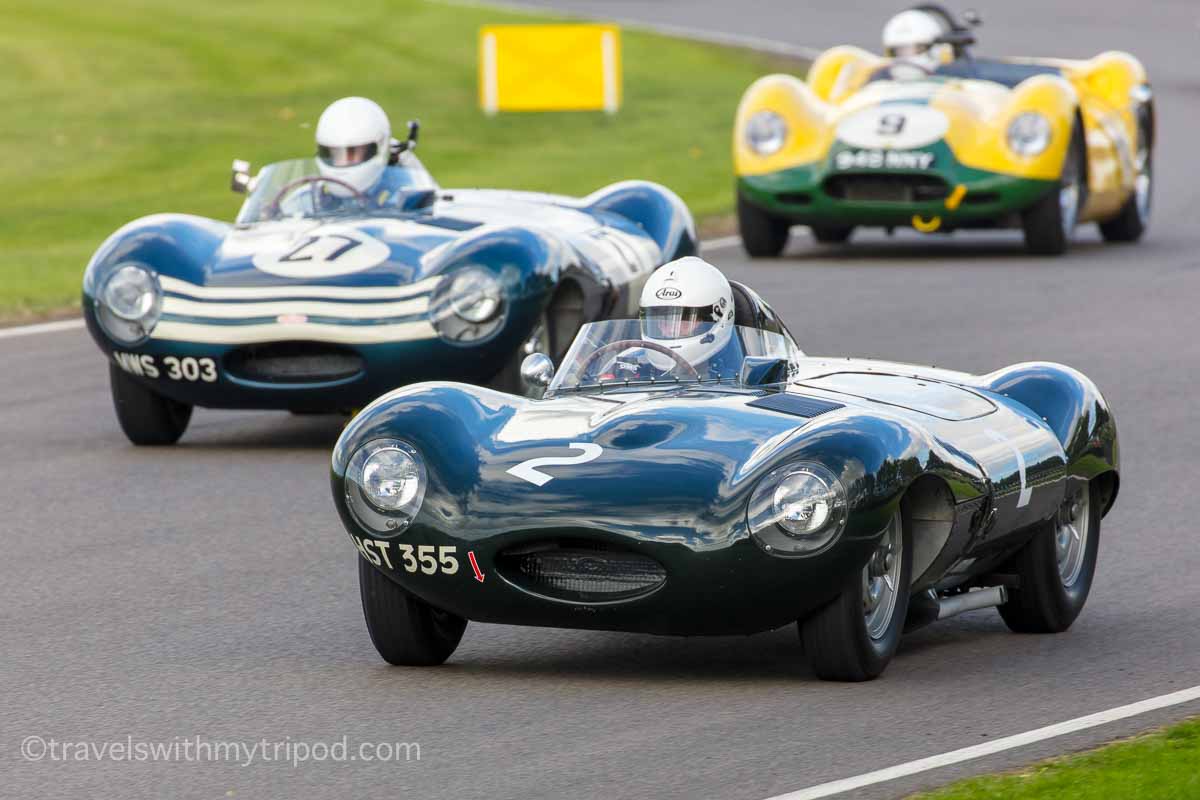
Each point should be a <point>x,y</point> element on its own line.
<point>178,245</point>
<point>982,143</point>
<point>807,116</point>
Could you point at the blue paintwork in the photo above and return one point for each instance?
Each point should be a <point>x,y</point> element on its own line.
<point>606,244</point>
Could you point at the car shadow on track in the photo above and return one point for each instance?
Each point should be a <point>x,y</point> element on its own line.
<point>956,249</point>
<point>263,431</point>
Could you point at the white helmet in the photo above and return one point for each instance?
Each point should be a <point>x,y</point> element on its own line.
<point>687,305</point>
<point>353,138</point>
<point>913,36</point>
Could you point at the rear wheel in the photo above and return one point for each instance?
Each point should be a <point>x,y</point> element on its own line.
<point>763,234</point>
<point>147,418</point>
<point>508,379</point>
<point>1050,222</point>
<point>854,637</point>
<point>407,631</point>
<point>832,234</point>
<point>1056,567</point>
<point>1133,219</point>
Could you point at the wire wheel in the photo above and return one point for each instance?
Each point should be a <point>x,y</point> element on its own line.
<point>881,580</point>
<point>1073,526</point>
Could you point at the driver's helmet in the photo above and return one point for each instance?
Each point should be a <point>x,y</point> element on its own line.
<point>353,138</point>
<point>913,36</point>
<point>687,306</point>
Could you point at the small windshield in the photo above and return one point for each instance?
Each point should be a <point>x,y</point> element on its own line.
<point>294,189</point>
<point>614,353</point>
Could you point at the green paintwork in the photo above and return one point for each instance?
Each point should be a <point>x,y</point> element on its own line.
<point>1011,194</point>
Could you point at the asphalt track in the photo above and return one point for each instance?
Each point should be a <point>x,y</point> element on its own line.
<point>209,591</point>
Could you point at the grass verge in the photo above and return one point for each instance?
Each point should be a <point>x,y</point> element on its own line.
<point>125,108</point>
<point>1164,765</point>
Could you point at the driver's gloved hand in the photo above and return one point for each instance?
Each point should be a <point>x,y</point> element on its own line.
<point>641,363</point>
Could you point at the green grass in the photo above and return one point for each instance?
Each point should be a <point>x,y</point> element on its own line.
<point>122,108</point>
<point>1164,765</point>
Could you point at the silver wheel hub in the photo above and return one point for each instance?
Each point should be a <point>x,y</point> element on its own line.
<point>1068,199</point>
<point>1072,528</point>
<point>881,580</point>
<point>1142,183</point>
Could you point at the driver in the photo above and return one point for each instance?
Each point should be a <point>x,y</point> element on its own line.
<point>354,139</point>
<point>913,36</point>
<point>686,307</point>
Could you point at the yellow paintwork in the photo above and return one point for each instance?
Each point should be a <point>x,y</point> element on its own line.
<point>979,112</point>
<point>549,68</point>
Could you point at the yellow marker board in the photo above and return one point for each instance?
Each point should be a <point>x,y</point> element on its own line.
<point>549,68</point>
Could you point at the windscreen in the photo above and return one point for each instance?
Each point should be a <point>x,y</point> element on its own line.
<point>618,353</point>
<point>293,189</point>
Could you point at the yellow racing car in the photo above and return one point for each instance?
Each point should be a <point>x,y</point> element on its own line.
<point>928,136</point>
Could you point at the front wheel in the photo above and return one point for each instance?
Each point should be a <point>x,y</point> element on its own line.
<point>1050,223</point>
<point>407,631</point>
<point>1056,566</point>
<point>763,234</point>
<point>855,636</point>
<point>148,419</point>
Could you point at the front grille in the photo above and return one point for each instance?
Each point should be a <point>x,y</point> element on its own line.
<point>581,572</point>
<point>294,362</point>
<point>886,188</point>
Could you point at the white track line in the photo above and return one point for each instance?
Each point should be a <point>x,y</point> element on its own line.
<point>989,748</point>
<point>41,327</point>
<point>720,243</point>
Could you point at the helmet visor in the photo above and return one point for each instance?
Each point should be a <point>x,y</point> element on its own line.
<point>350,156</point>
<point>907,50</point>
<point>678,322</point>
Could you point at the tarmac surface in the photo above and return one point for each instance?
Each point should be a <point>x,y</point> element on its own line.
<point>208,591</point>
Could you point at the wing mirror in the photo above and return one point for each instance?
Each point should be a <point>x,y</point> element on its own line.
<point>408,145</point>
<point>764,371</point>
<point>241,181</point>
<point>537,370</point>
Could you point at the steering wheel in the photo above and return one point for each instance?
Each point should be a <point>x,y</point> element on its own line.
<point>624,344</point>
<point>272,209</point>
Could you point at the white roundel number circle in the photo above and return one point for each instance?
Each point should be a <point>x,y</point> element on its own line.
<point>322,253</point>
<point>899,126</point>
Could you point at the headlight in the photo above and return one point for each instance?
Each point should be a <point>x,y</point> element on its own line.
<point>385,484</point>
<point>766,132</point>
<point>797,509</point>
<point>468,305</point>
<point>129,303</point>
<point>1029,134</point>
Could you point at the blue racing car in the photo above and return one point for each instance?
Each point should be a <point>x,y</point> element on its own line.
<point>321,296</point>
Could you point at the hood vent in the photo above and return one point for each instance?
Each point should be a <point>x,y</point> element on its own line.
<point>795,404</point>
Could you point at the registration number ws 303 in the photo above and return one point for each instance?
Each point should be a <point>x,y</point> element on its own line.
<point>172,368</point>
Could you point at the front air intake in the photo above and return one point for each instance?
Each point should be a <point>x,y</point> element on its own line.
<point>581,572</point>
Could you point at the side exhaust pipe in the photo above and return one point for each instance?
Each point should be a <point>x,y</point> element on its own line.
<point>970,601</point>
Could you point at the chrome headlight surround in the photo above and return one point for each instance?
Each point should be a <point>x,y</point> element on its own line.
<point>1029,134</point>
<point>468,305</point>
<point>129,302</point>
<point>385,485</point>
<point>798,509</point>
<point>766,132</point>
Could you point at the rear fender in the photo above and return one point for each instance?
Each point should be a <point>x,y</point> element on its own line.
<point>1073,408</point>
<point>655,209</point>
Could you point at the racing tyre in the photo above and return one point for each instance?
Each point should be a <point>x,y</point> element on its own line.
<point>832,234</point>
<point>855,636</point>
<point>763,235</point>
<point>407,631</point>
<point>1050,222</point>
<point>508,379</point>
<point>1133,219</point>
<point>1056,567</point>
<point>147,418</point>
